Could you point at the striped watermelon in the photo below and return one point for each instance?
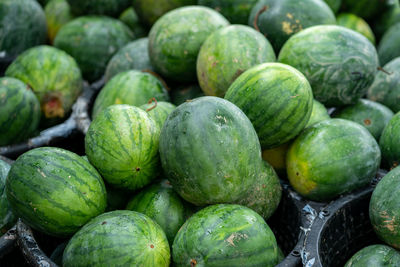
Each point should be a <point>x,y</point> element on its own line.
<point>55,191</point>
<point>225,235</point>
<point>375,255</point>
<point>227,53</point>
<point>159,111</point>
<point>7,218</point>
<point>57,13</point>
<point>19,111</point>
<point>122,143</point>
<point>236,11</point>
<point>335,82</point>
<point>357,24</point>
<point>387,49</point>
<point>276,98</point>
<point>99,7</point>
<point>390,142</point>
<point>118,238</point>
<point>130,87</point>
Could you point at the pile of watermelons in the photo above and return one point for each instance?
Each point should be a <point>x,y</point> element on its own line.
<point>207,106</point>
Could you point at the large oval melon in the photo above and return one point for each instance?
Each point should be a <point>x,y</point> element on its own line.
<point>390,142</point>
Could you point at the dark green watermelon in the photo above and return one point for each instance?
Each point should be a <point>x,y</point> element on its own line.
<point>276,98</point>
<point>92,41</point>
<point>227,53</point>
<point>318,113</point>
<point>367,9</point>
<point>332,157</point>
<point>334,4</point>
<point>118,238</point>
<point>278,20</point>
<point>99,7</point>
<point>357,24</point>
<point>158,111</point>
<point>150,11</point>
<point>133,56</point>
<point>122,143</point>
<point>131,19</point>
<point>57,13</point>
<point>19,111</point>
<point>55,191</point>
<point>54,77</point>
<point>162,204</point>
<point>7,218</point>
<point>130,87</point>
<point>384,208</point>
<point>225,235</point>
<point>184,93</point>
<point>387,49</point>
<point>236,11</point>
<point>371,115</point>
<point>335,81</point>
<point>386,86</point>
<point>375,255</point>
<point>201,149</point>
<point>22,25</point>
<point>390,142</point>
<point>176,38</point>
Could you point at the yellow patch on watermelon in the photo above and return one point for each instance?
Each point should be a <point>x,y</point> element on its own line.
<point>299,176</point>
<point>276,156</point>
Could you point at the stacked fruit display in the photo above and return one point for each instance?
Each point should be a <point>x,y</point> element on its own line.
<point>198,123</point>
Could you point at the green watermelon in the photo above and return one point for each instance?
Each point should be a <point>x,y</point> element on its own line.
<point>278,20</point>
<point>386,86</point>
<point>387,49</point>
<point>265,194</point>
<point>54,77</point>
<point>19,111</point>
<point>122,143</point>
<point>176,38</point>
<point>22,25</point>
<point>55,191</point>
<point>276,98</point>
<point>390,142</point>
<point>158,111</point>
<point>236,11</point>
<point>162,204</point>
<point>118,238</point>
<point>99,7</point>
<point>182,94</point>
<point>334,4</point>
<point>7,218</point>
<point>92,41</point>
<point>367,9</point>
<point>131,19</point>
<point>57,14</point>
<point>335,81</point>
<point>384,208</point>
<point>133,56</point>
<point>201,149</point>
<point>225,235</point>
<point>318,113</point>
<point>227,53</point>
<point>357,24</point>
<point>149,11</point>
<point>375,255</point>
<point>130,87</point>
<point>371,115</point>
<point>332,157</point>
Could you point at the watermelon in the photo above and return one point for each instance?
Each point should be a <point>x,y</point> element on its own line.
<point>265,194</point>
<point>367,9</point>
<point>357,24</point>
<point>318,113</point>
<point>390,142</point>
<point>98,7</point>
<point>149,11</point>
<point>334,4</point>
<point>55,191</point>
<point>133,56</point>
<point>278,20</point>
<point>375,255</point>
<point>276,157</point>
<point>19,111</point>
<point>54,77</point>
<point>236,11</point>
<point>371,115</point>
<point>384,208</point>
<point>158,111</point>
<point>122,143</point>
<point>225,235</point>
<point>162,204</point>
<point>131,19</point>
<point>387,48</point>
<point>227,53</point>
<point>184,93</point>
<point>335,81</point>
<point>386,86</point>
<point>118,238</point>
<point>176,38</point>
<point>7,218</point>
<point>92,41</point>
<point>201,149</point>
<point>57,13</point>
<point>330,158</point>
<point>22,25</point>
<point>129,87</point>
<point>276,98</point>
